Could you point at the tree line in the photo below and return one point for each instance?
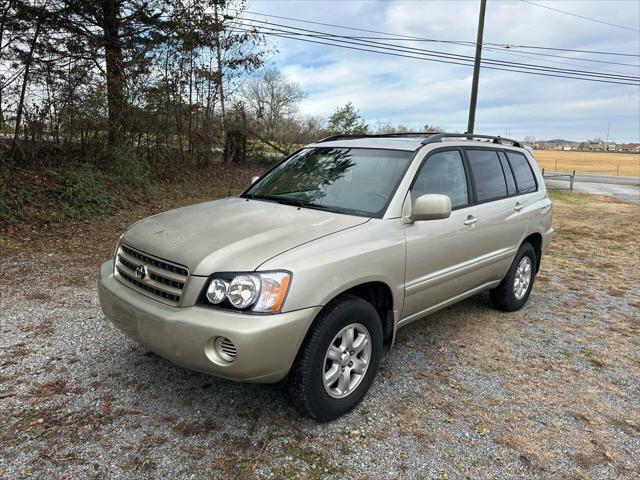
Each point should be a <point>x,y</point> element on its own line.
<point>161,82</point>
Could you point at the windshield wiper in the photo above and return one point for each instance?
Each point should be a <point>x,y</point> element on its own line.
<point>317,206</point>
<point>288,201</point>
<point>277,199</point>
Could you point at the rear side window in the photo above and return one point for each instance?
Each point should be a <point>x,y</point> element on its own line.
<point>508,174</point>
<point>521,169</point>
<point>443,173</point>
<point>487,174</point>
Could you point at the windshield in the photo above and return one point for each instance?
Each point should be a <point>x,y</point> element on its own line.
<point>347,180</point>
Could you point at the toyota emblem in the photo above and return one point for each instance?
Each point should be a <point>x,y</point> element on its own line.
<point>141,272</point>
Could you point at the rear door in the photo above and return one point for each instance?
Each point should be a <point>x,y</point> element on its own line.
<point>502,223</point>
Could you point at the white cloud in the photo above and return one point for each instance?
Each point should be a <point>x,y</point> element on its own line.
<point>414,92</point>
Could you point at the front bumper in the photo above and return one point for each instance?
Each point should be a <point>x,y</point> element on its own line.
<point>266,344</point>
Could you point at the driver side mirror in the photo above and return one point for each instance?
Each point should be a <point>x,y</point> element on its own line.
<point>254,180</point>
<point>431,206</point>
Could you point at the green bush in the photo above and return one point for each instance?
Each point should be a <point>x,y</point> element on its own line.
<point>12,200</point>
<point>126,169</point>
<point>83,192</point>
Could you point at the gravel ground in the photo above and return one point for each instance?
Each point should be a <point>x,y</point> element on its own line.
<point>551,391</point>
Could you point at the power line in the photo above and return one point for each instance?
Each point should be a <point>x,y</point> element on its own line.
<point>556,49</point>
<point>433,53</point>
<point>319,34</point>
<point>550,55</point>
<point>422,39</point>
<point>527,56</point>
<point>493,46</point>
<point>373,49</point>
<point>497,49</point>
<point>581,16</point>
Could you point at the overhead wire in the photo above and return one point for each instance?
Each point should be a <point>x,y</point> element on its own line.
<point>296,33</point>
<point>423,39</point>
<point>436,53</point>
<point>464,63</point>
<point>580,16</point>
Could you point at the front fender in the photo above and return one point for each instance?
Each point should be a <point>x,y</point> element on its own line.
<point>327,267</point>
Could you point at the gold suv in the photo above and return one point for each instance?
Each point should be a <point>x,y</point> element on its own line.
<point>308,274</point>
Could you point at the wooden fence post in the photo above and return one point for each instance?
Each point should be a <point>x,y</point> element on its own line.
<point>571,181</point>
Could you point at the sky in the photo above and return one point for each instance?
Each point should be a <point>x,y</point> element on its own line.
<point>415,92</point>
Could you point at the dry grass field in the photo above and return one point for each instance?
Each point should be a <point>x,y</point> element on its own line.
<point>604,163</point>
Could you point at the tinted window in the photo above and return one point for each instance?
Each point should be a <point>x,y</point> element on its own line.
<point>522,171</point>
<point>345,180</point>
<point>508,174</point>
<point>487,174</point>
<point>443,173</point>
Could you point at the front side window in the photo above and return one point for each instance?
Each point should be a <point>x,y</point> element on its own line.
<point>521,169</point>
<point>443,173</point>
<point>488,176</point>
<point>357,181</point>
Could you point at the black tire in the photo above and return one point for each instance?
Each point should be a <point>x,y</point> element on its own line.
<point>305,381</point>
<point>503,297</point>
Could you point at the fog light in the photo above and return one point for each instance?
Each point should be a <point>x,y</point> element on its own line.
<point>225,349</point>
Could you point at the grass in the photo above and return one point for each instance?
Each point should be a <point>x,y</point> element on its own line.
<point>48,197</point>
<point>605,163</point>
<point>568,197</point>
<point>89,235</point>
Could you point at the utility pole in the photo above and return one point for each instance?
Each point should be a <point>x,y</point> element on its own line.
<point>476,68</point>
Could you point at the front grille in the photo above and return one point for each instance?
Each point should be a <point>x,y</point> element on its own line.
<point>160,279</point>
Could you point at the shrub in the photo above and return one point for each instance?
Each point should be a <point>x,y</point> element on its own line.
<point>83,192</point>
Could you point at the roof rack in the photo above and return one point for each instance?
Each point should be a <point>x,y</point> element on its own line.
<point>429,137</point>
<point>375,135</point>
<point>470,136</point>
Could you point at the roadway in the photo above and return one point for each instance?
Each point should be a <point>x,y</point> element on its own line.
<point>622,188</point>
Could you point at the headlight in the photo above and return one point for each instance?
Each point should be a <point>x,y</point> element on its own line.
<point>244,290</point>
<point>262,292</point>
<point>217,291</point>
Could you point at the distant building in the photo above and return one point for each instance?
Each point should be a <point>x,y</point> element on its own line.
<point>588,146</point>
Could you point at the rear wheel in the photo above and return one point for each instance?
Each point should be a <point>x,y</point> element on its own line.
<point>515,288</point>
<point>339,359</point>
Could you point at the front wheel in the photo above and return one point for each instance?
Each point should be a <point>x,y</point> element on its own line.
<point>515,288</point>
<point>339,359</point>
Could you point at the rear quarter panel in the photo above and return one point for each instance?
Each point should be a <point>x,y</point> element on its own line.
<point>539,207</point>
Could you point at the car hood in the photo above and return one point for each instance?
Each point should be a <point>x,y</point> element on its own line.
<point>232,234</point>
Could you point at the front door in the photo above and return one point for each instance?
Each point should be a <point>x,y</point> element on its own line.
<point>441,253</point>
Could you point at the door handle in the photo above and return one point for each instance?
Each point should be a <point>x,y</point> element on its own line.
<point>518,207</point>
<point>470,220</point>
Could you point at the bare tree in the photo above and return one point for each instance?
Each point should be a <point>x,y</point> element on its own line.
<point>38,15</point>
<point>159,79</point>
<point>272,99</point>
